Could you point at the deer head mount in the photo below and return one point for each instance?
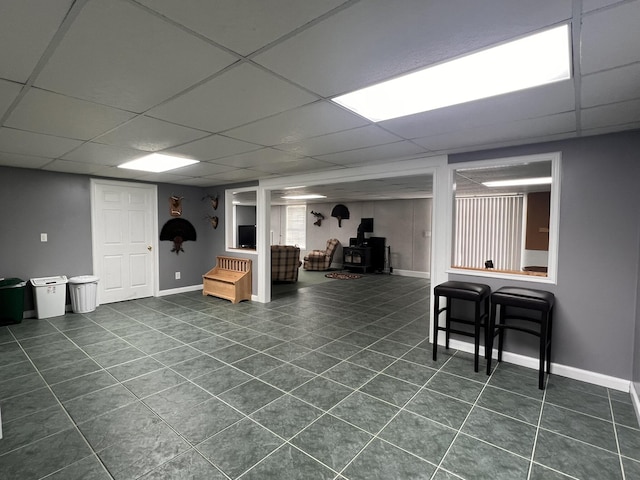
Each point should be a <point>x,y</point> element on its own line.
<point>175,206</point>
<point>213,220</point>
<point>319,218</point>
<point>213,199</point>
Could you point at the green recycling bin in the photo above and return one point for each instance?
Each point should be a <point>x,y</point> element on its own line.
<point>11,300</point>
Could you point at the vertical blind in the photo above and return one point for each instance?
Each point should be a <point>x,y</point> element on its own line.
<point>296,226</point>
<point>488,228</point>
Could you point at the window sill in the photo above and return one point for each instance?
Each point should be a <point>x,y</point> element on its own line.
<point>536,277</point>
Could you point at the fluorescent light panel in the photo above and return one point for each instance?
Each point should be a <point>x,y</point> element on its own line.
<point>518,182</point>
<point>158,162</point>
<point>310,196</point>
<point>527,62</point>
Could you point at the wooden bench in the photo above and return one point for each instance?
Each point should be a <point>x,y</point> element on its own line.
<point>229,279</point>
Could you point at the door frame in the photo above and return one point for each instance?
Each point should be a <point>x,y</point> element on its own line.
<point>153,189</point>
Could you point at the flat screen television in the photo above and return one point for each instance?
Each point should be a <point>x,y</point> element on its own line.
<point>247,236</point>
<point>366,226</point>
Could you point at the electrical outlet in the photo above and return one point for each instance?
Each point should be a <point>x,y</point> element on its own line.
<point>177,275</point>
<point>43,237</point>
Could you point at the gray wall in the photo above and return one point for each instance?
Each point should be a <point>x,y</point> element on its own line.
<point>35,202</point>
<point>405,224</point>
<point>59,204</point>
<point>636,353</point>
<point>596,295</point>
<point>196,259</point>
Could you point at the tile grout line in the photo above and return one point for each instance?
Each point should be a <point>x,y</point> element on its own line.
<point>459,430</point>
<point>400,410</point>
<point>59,403</point>
<point>535,438</point>
<point>615,431</point>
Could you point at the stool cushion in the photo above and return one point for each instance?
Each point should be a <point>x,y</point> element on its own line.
<point>463,290</point>
<point>523,297</point>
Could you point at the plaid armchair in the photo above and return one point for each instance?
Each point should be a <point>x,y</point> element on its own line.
<point>285,262</point>
<point>321,259</point>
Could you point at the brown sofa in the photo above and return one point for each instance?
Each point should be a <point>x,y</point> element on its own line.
<point>285,262</point>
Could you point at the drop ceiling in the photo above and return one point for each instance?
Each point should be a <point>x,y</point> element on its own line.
<point>245,86</point>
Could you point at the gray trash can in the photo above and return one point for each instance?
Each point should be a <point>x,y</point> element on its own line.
<point>84,293</point>
<point>50,294</point>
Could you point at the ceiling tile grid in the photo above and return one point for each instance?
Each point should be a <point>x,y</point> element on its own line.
<point>245,86</point>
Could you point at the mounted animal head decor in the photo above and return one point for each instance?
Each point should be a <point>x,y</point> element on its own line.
<point>213,199</point>
<point>319,218</point>
<point>341,212</point>
<point>213,220</point>
<point>175,206</point>
<point>178,230</point>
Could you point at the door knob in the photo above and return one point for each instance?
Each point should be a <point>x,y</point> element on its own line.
<point>149,247</point>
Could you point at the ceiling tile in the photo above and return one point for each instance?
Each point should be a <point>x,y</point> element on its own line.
<point>8,93</point>
<point>294,125</point>
<point>149,134</point>
<point>611,86</point>
<point>243,26</point>
<point>99,153</point>
<point>521,130</point>
<point>530,103</point>
<point>239,175</point>
<point>297,166</point>
<point>603,47</point>
<point>27,26</point>
<point>377,154</point>
<point>257,158</point>
<point>165,177</point>
<point>116,172</point>
<point>197,182</point>
<point>34,144</point>
<point>336,142</point>
<point>611,129</point>
<point>46,112</point>
<point>72,167</point>
<point>589,5</point>
<point>378,39</point>
<point>213,147</point>
<point>118,54</point>
<point>202,169</point>
<point>244,93</point>
<point>22,161</point>
<point>613,114</point>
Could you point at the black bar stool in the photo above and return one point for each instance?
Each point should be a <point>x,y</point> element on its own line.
<point>473,292</point>
<point>528,299</point>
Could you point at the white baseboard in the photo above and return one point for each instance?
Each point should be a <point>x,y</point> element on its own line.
<point>411,273</point>
<point>557,369</point>
<point>635,399</point>
<point>173,291</point>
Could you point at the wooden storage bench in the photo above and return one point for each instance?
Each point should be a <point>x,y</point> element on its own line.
<point>229,279</point>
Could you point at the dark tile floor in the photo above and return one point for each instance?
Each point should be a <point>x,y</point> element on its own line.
<point>333,382</point>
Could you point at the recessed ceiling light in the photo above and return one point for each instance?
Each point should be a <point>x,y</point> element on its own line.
<point>527,62</point>
<point>310,196</point>
<point>519,182</point>
<point>158,162</point>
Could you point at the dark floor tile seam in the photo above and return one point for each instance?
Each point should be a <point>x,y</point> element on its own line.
<point>395,446</point>
<point>375,436</point>
<point>459,429</point>
<point>69,417</point>
<point>615,432</point>
<point>547,467</point>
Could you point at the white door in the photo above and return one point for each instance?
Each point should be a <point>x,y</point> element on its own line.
<point>123,220</point>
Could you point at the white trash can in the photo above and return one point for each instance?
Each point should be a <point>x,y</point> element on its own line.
<point>49,294</point>
<point>84,293</point>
